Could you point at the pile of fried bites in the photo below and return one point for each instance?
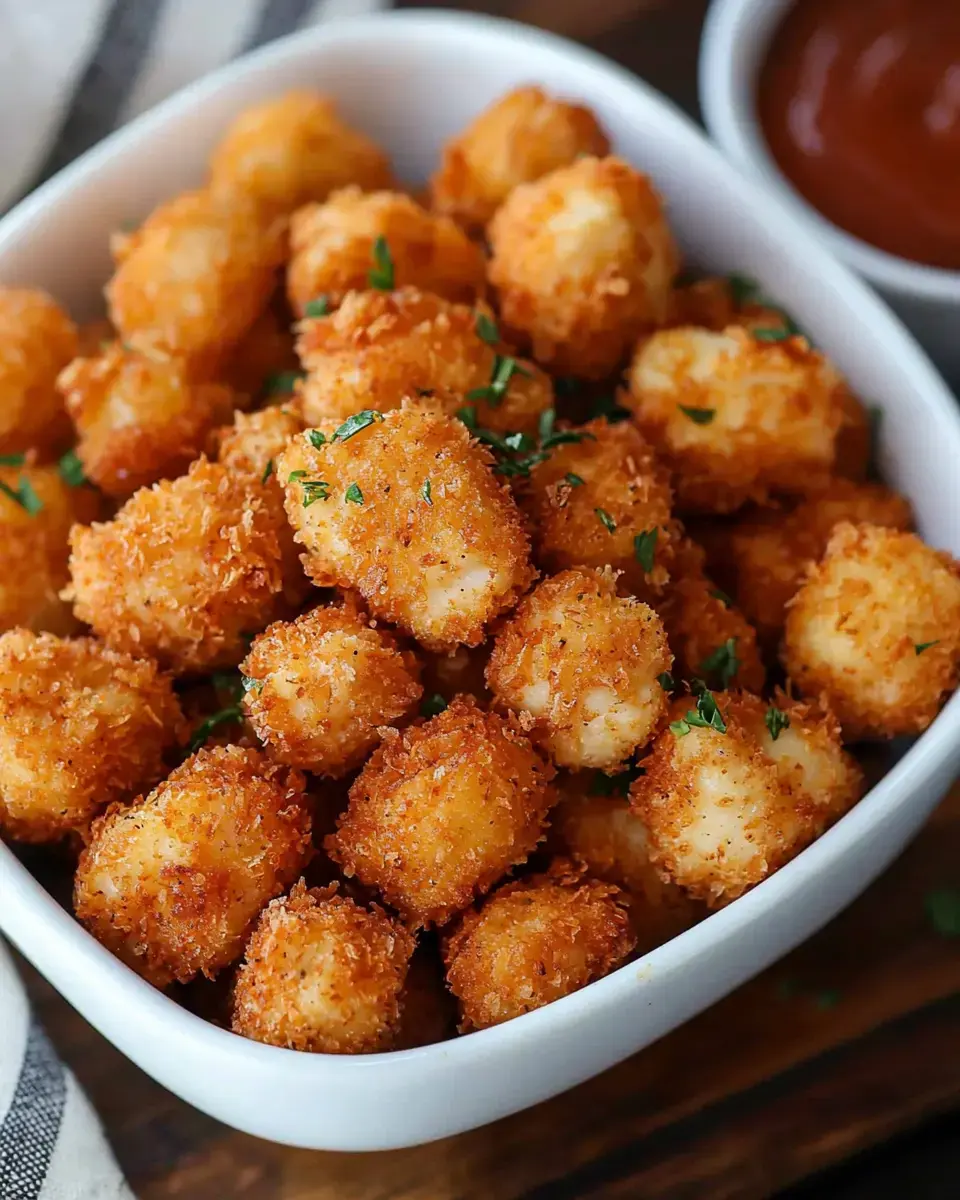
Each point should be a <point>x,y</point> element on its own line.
<point>583,632</point>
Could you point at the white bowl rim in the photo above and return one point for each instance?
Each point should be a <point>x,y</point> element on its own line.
<point>729,31</point>
<point>161,1017</point>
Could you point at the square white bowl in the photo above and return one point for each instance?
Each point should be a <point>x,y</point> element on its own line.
<point>411,80</point>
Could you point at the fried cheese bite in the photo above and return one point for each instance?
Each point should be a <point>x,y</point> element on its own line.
<point>404,509</point>
<point>875,630</point>
<point>319,689</point>
<point>583,261</point>
<point>37,339</point>
<point>139,418</point>
<point>534,941</point>
<point>604,501</point>
<point>80,727</point>
<point>734,418</point>
<point>322,974</point>
<point>37,509</point>
<point>580,666</point>
<point>381,346</point>
<point>194,277</point>
<point>519,138</point>
<point>183,570</point>
<point>294,148</point>
<point>173,883</point>
<point>385,240</point>
<point>443,810</point>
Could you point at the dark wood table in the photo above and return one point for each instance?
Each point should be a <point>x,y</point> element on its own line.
<point>852,1039</point>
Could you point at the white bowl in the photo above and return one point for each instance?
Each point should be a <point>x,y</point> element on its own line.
<point>411,80</point>
<point>735,39</point>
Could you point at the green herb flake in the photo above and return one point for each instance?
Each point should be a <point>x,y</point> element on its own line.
<point>666,681</point>
<point>232,715</point>
<point>353,495</point>
<point>723,663</point>
<point>283,383</point>
<point>707,715</point>
<point>919,647</point>
<point>381,274</point>
<point>573,480</point>
<point>426,493</point>
<point>24,495</point>
<point>468,415</point>
<point>251,685</point>
<point>353,425</point>
<point>699,416</point>
<point>504,369</point>
<point>606,520</point>
<point>943,910</point>
<point>316,438</point>
<point>645,548</point>
<point>319,307</point>
<point>433,705</point>
<point>71,470</point>
<point>776,721</point>
<point>721,595</point>
<point>13,460</point>
<point>314,490</point>
<point>295,475</point>
<point>267,471</point>
<point>487,329</point>
<point>771,334</point>
<point>680,728</point>
<point>603,784</point>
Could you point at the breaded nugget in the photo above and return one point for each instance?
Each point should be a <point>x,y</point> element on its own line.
<point>405,509</point>
<point>37,508</point>
<point>37,339</point>
<point>381,346</point>
<point>194,277</point>
<point>80,727</point>
<point>534,941</point>
<point>265,358</point>
<point>183,570</point>
<point>734,418</point>
<point>604,500</point>
<point>322,974</point>
<point>319,689</point>
<point>583,261</point>
<point>173,883</point>
<point>875,630</point>
<point>442,811</point>
<point>292,149</point>
<point>139,418</point>
<point>384,240</point>
<point>580,665</point>
<point>517,139</point>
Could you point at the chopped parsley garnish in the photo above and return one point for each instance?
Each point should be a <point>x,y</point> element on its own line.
<point>282,383</point>
<point>71,470</point>
<point>12,460</point>
<point>432,705</point>
<point>614,785</point>
<point>231,715</point>
<point>318,307</point>
<point>706,716</point>
<point>314,490</point>
<point>316,438</point>
<point>425,493</point>
<point>666,681</point>
<point>353,495</point>
<point>251,685</point>
<point>504,369</point>
<point>919,647</point>
<point>943,909</point>
<point>771,334</point>
<point>487,330</point>
<point>381,274</point>
<point>605,520</point>
<point>699,416</point>
<point>723,663</point>
<point>354,424</point>
<point>721,595</point>
<point>776,721</point>
<point>549,437</point>
<point>517,453</point>
<point>645,548</point>
<point>468,415</point>
<point>294,475</point>
<point>24,495</point>
<point>573,480</point>
<point>267,471</point>
<point>607,406</point>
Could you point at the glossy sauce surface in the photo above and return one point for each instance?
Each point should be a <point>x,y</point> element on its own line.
<point>859,101</point>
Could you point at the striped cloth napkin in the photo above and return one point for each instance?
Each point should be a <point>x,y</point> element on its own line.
<point>70,72</point>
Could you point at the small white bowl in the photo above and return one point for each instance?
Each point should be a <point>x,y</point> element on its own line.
<point>736,36</point>
<point>411,80</point>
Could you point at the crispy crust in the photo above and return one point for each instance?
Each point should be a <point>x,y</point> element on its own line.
<point>37,339</point>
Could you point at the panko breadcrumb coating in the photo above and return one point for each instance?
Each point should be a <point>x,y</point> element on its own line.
<point>381,346</point>
<point>534,941</point>
<point>322,974</point>
<point>183,570</point>
<point>519,138</point>
<point>407,512</point>
<point>139,419</point>
<point>319,689</point>
<point>173,883</point>
<point>580,665</point>
<point>265,356</point>
<point>332,250</point>
<point>37,339</point>
<point>80,727</point>
<point>194,277</point>
<point>292,149</point>
<point>34,545</point>
<point>611,471</point>
<point>875,631</point>
<point>734,418</point>
<point>583,261</point>
<point>443,810</point>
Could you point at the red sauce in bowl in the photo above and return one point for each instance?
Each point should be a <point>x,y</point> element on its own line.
<point>859,101</point>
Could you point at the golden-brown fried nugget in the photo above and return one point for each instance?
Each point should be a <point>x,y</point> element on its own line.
<point>519,138</point>
<point>604,501</point>
<point>719,817</point>
<point>37,339</point>
<point>264,361</point>
<point>139,418</point>
<point>534,941</point>
<point>405,510</point>
<point>37,508</point>
<point>443,810</point>
<point>583,261</point>
<point>711,639</point>
<point>322,974</point>
<point>333,247</point>
<point>80,727</point>
<point>194,277</point>
<point>183,570</point>
<point>875,630</point>
<point>735,418</point>
<point>381,346</point>
<point>173,883</point>
<point>293,149</point>
<point>580,665</point>
<point>320,689</point>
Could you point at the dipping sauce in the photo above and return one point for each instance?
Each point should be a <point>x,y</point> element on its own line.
<point>860,104</point>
